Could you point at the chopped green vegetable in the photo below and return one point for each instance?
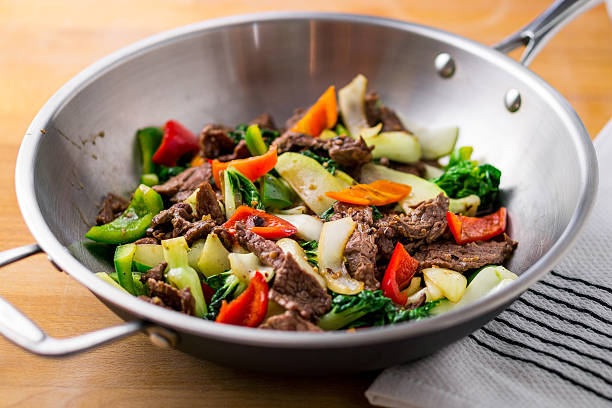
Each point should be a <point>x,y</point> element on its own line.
<point>164,173</point>
<point>341,130</point>
<point>245,188</point>
<point>254,141</point>
<point>133,223</point>
<point>327,213</point>
<point>415,314</point>
<point>274,193</point>
<point>239,133</point>
<point>464,177</point>
<point>139,287</point>
<point>123,266</point>
<point>180,274</point>
<point>108,279</point>
<point>149,140</point>
<point>329,164</point>
<point>376,214</point>
<point>227,286</point>
<point>311,250</point>
<point>346,309</point>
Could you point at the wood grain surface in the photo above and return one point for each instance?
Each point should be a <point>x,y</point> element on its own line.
<point>44,43</point>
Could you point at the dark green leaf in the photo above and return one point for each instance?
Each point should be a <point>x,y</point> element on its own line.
<point>327,213</point>
<point>329,164</point>
<point>311,250</point>
<point>376,214</point>
<point>249,193</point>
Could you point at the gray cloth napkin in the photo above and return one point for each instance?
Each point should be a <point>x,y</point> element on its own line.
<point>550,348</point>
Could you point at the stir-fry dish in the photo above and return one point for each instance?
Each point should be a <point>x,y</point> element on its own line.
<point>342,219</point>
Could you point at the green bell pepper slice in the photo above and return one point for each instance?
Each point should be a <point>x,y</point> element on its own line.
<point>123,266</point>
<point>274,193</point>
<point>254,141</point>
<point>149,140</point>
<point>133,223</point>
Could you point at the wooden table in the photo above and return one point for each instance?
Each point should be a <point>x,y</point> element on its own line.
<point>45,43</point>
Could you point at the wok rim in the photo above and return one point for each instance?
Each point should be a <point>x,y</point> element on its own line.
<point>26,195</point>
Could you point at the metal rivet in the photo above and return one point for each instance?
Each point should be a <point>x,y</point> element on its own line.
<point>512,100</point>
<point>445,65</point>
<point>162,338</point>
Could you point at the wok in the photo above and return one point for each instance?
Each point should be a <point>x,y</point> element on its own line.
<point>81,145</point>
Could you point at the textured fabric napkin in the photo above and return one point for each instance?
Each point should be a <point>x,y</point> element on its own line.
<point>550,348</point>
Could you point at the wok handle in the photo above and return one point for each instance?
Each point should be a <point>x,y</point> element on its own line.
<point>536,34</point>
<point>22,331</point>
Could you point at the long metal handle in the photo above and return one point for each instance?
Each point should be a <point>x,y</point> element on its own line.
<point>536,34</point>
<point>19,329</point>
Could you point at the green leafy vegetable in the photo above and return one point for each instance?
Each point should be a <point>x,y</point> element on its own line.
<point>376,214</point>
<point>311,250</point>
<point>464,177</point>
<point>347,309</point>
<point>275,194</point>
<point>368,309</point>
<point>341,130</point>
<point>226,286</point>
<point>164,173</point>
<point>245,187</point>
<point>330,165</point>
<point>327,213</point>
<point>239,134</point>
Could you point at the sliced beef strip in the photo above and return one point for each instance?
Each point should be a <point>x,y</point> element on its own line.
<point>295,142</point>
<point>377,112</point>
<point>289,321</point>
<point>181,300</point>
<point>207,204</point>
<point>447,254</point>
<point>241,151</point>
<point>293,288</point>
<point>360,252</point>
<point>348,152</point>
<point>181,186</point>
<point>155,273</point>
<point>154,301</point>
<point>264,121</point>
<point>112,207</point>
<point>425,224</point>
<point>359,213</point>
<point>295,118</point>
<point>146,240</point>
<point>226,238</point>
<point>215,141</point>
<point>178,221</point>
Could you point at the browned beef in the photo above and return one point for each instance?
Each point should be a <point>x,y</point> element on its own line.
<point>297,290</point>
<point>264,121</point>
<point>207,204</point>
<point>146,240</point>
<point>241,151</point>
<point>348,152</point>
<point>178,221</point>
<point>359,213</point>
<point>295,141</point>
<point>179,187</point>
<point>155,273</point>
<point>360,253</point>
<point>289,321</point>
<point>420,301</point>
<point>215,141</point>
<point>447,254</point>
<point>112,207</point>
<point>181,300</point>
<point>297,115</point>
<point>154,301</point>
<point>293,288</point>
<point>425,224</point>
<point>226,238</point>
<point>377,112</point>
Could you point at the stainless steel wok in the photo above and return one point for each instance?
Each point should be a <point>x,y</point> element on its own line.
<point>81,145</point>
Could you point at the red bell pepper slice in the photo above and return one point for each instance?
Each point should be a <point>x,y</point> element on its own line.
<point>400,271</point>
<point>260,222</point>
<point>252,167</point>
<point>177,141</point>
<point>470,229</point>
<point>248,309</point>
<point>208,293</point>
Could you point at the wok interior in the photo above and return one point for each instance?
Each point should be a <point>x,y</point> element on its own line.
<point>231,74</point>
